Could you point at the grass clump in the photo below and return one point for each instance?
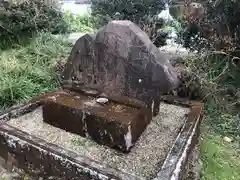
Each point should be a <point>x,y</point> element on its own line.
<point>28,70</point>
<point>78,23</point>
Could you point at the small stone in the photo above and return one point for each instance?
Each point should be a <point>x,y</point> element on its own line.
<point>102,100</point>
<point>91,91</point>
<point>227,139</point>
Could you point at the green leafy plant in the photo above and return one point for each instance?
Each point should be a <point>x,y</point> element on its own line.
<point>142,13</point>
<point>78,23</point>
<point>27,17</point>
<point>137,11</point>
<point>27,70</point>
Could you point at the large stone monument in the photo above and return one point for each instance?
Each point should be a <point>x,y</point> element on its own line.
<point>120,60</point>
<point>109,84</point>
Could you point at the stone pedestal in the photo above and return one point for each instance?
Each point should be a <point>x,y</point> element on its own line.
<point>109,123</point>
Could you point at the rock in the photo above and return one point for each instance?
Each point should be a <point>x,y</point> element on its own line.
<point>227,139</point>
<point>161,38</point>
<point>115,60</point>
<point>102,100</point>
<point>112,124</point>
<point>80,65</point>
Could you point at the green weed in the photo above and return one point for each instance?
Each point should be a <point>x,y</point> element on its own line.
<point>221,160</point>
<point>78,23</point>
<point>28,70</point>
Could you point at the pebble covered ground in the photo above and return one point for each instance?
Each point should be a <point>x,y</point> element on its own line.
<point>11,174</point>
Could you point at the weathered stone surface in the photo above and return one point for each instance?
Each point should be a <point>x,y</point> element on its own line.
<point>194,164</point>
<point>80,66</point>
<point>121,61</point>
<point>39,161</point>
<point>110,123</point>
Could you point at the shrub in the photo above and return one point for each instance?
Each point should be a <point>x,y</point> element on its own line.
<point>142,13</point>
<point>218,28</point>
<point>28,17</point>
<point>213,76</point>
<point>78,23</point>
<point>135,10</point>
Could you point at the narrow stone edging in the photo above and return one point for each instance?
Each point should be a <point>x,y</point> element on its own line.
<point>177,156</point>
<point>176,173</point>
<point>15,138</point>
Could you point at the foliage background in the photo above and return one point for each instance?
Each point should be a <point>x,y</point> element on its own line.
<point>30,57</point>
<point>28,17</point>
